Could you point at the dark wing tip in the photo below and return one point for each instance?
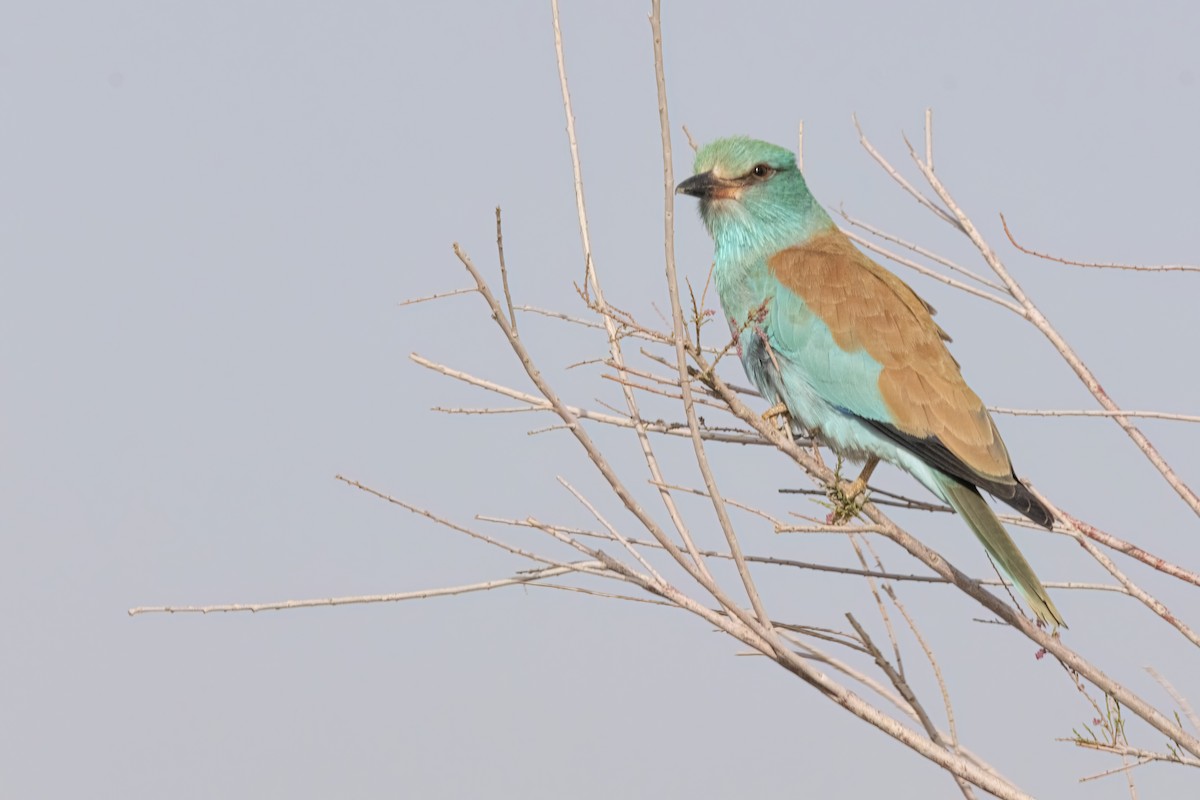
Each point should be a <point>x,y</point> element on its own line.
<point>937,455</point>
<point>1023,500</point>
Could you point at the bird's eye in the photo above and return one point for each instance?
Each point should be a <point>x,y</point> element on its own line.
<point>761,171</point>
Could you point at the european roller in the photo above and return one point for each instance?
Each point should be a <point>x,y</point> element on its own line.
<point>848,350</point>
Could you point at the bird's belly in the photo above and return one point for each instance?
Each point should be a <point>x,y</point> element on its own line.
<point>842,431</point>
<point>782,376</point>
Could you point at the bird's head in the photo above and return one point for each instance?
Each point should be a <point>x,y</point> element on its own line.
<point>750,188</point>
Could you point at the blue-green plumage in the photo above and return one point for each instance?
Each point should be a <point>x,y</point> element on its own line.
<point>847,347</point>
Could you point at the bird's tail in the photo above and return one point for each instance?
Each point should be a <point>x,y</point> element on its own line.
<point>970,505</point>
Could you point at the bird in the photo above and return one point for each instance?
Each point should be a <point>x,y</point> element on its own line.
<point>847,351</point>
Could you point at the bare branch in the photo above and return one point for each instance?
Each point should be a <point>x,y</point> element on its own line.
<point>691,142</point>
<point>281,605</point>
<point>1151,602</point>
<point>929,137</point>
<point>512,315</point>
<point>1145,756</point>
<point>438,296</point>
<point>758,512</point>
<point>937,276</point>
<point>800,145</point>
<point>484,411</point>
<point>1130,549</point>
<point>898,178</point>
<point>921,251</point>
<point>933,663</point>
<point>830,568</point>
<point>887,620</point>
<point>429,515</point>
<point>898,680</point>
<point>830,527</point>
<point>613,531</point>
<point>1179,699</point>
<point>541,404</point>
<point>1049,412</point>
<point>1093,264</point>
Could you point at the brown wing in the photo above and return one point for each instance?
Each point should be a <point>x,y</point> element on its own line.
<point>933,411</point>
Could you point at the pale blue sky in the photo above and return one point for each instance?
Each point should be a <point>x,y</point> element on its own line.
<point>208,214</point>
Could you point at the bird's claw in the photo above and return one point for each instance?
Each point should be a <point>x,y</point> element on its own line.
<point>780,411</point>
<point>777,410</point>
<point>848,497</point>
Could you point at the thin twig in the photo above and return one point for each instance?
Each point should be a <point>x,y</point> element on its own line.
<point>921,251</point>
<point>475,411</point>
<point>758,512</point>
<point>541,404</point>
<point>1072,412</point>
<point>650,601</point>
<point>1130,549</point>
<point>902,686</point>
<point>937,276</point>
<point>440,520</point>
<point>830,527</point>
<point>1095,264</point>
<point>1151,602</point>
<point>614,568</point>
<point>800,145</point>
<point>512,315</point>
<point>658,391</point>
<point>933,663</point>
<point>438,296</point>
<point>1125,768</point>
<point>898,178</point>
<point>523,578</point>
<point>830,568</point>
<point>887,619</point>
<point>612,531</point>
<point>1137,752</point>
<point>929,137</point>
<point>1179,699</point>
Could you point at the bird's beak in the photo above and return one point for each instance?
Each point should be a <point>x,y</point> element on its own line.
<point>699,185</point>
<point>705,185</point>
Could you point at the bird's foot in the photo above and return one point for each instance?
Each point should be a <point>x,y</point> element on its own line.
<point>780,411</point>
<point>849,497</point>
<point>854,488</point>
<point>859,484</point>
<point>846,503</point>
<point>777,410</point>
